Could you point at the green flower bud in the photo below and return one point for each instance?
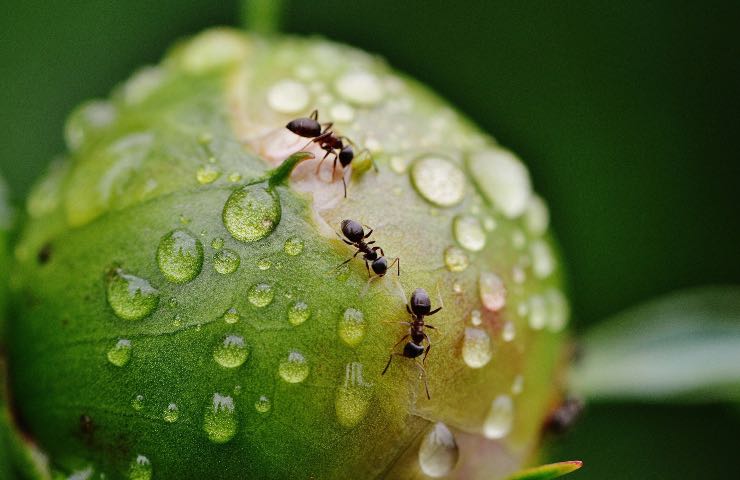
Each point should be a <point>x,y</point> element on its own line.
<point>191,318</point>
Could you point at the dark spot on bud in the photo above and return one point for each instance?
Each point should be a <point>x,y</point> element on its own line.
<point>44,254</point>
<point>562,419</point>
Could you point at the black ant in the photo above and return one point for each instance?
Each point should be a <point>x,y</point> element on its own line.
<point>419,306</point>
<point>309,127</point>
<point>355,235</point>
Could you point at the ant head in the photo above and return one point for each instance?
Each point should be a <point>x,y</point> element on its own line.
<point>305,127</point>
<point>420,303</point>
<point>346,155</point>
<point>380,266</point>
<point>352,230</point>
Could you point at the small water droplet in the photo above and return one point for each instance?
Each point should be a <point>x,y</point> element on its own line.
<point>438,452</point>
<point>177,321</point>
<point>207,173</point>
<point>361,88</point>
<point>476,350</point>
<point>288,96</point>
<point>537,216</point>
<point>456,259</point>
<point>219,421</point>
<point>298,313</point>
<point>180,256</point>
<point>235,177</point>
<point>353,398</point>
<point>264,264</point>
<point>217,243</point>
<point>559,309</point>
<point>231,352</point>
<point>226,261</point>
<point>140,469</point>
<point>251,213</point>
<point>489,224</point>
<point>543,262</point>
<point>294,368</point>
<point>263,404</point>
<point>138,402</point>
<point>231,316</point>
<point>492,291</point>
<point>469,233</point>
<point>120,354</point>
<point>517,386</point>
<point>352,327</point>
<point>500,418</point>
<point>508,332</point>
<point>537,312</point>
<point>184,220</point>
<point>173,303</point>
<point>130,297</point>
<point>260,295</point>
<point>503,179</point>
<point>457,288</point>
<point>293,246</point>
<point>438,180</point>
<point>475,318</point>
<point>171,413</point>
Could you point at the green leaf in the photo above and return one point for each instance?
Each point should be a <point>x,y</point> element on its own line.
<point>545,472</point>
<point>681,347</point>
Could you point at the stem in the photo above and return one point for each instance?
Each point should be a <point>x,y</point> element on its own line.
<point>261,16</point>
<point>282,172</point>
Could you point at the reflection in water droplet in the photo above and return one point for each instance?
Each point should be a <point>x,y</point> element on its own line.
<point>543,262</point>
<point>492,291</point>
<point>438,180</point>
<point>361,88</point>
<point>263,404</point>
<point>217,243</point>
<point>438,452</point>
<point>231,352</point>
<point>219,421</point>
<point>138,402</point>
<point>294,369</point>
<point>120,354</point>
<point>288,96</point>
<point>353,398</point>
<point>537,312</point>
<point>500,418</point>
<point>503,179</point>
<point>508,333</point>
<point>352,327</point>
<point>251,213</point>
<point>298,313</point>
<point>476,349</point>
<point>293,246</point>
<point>231,316</point>
<point>469,233</point>
<point>180,256</point>
<point>455,259</point>
<point>226,261</point>
<point>130,297</point>
<point>207,173</point>
<point>260,295</point>
<point>140,469</point>
<point>171,413</point>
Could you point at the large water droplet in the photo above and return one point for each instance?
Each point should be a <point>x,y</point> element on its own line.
<point>503,179</point>
<point>500,418</point>
<point>298,313</point>
<point>362,88</point>
<point>180,256</point>
<point>288,96</point>
<point>260,295</point>
<point>263,404</point>
<point>456,259</point>
<point>438,452</point>
<point>219,421</point>
<point>352,327</point>
<point>543,262</point>
<point>353,398</point>
<point>294,368</point>
<point>264,264</point>
<point>130,297</point>
<point>438,180</point>
<point>251,213</point>
<point>226,261</point>
<point>171,413</point>
<point>293,246</point>
<point>120,354</point>
<point>217,243</point>
<point>231,316</point>
<point>476,349</point>
<point>469,233</point>
<point>231,352</point>
<point>140,469</point>
<point>207,173</point>
<point>492,291</point>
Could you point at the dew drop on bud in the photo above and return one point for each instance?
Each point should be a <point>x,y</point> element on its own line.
<point>353,397</point>
<point>226,261</point>
<point>232,352</point>
<point>120,353</point>
<point>251,213</point>
<point>438,452</point>
<point>260,295</point>
<point>456,259</point>
<point>492,291</point>
<point>130,297</point>
<point>171,413</point>
<point>219,421</point>
<point>438,180</point>
<point>294,368</point>
<point>140,469</point>
<point>293,246</point>
<point>352,327</point>
<point>263,404</point>
<point>476,350</point>
<point>469,233</point>
<point>180,256</point>
<point>500,418</point>
<point>298,313</point>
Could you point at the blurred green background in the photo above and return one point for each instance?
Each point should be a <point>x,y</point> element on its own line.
<point>626,113</point>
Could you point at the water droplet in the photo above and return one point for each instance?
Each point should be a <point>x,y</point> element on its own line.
<point>293,246</point>
<point>559,309</point>
<point>177,321</point>
<point>457,288</point>
<point>476,349</point>
<point>251,213</point>
<point>180,256</point>
<point>237,390</point>
<point>543,262</point>
<point>217,243</point>
<point>138,402</point>
<point>207,173</point>
<point>492,291</point>
<point>219,421</point>
<point>263,404</point>
<point>341,112</point>
<point>361,88</point>
<point>171,413</point>
<point>489,224</point>
<point>87,121</point>
<point>352,327</point>
<point>288,96</point>
<point>438,452</point>
<point>140,469</point>
<point>503,179</point>
<point>231,316</point>
<point>537,216</point>
<point>294,368</point>
<point>231,352</point>
<point>173,303</point>
<point>226,261</point>
<point>264,264</point>
<point>475,318</point>
<point>508,332</point>
<point>120,354</point>
<point>184,220</point>
<point>353,398</point>
<point>517,386</point>
<point>235,177</point>
<point>438,180</point>
<point>537,312</point>
<point>298,313</point>
<point>469,233</point>
<point>500,418</point>
<point>260,295</point>
<point>130,297</point>
<point>456,259</point>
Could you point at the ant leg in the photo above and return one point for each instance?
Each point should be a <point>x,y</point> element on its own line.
<point>367,267</point>
<point>433,311</point>
<point>396,261</point>
<point>390,357</point>
<point>318,167</point>
<point>343,239</point>
<point>426,352</point>
<point>382,253</point>
<point>424,376</point>
<point>400,341</point>
<point>365,151</point>
<point>370,231</point>
<point>426,325</point>
<point>344,184</point>
<point>408,309</point>
<point>370,243</point>
<point>327,126</point>
<point>314,115</point>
